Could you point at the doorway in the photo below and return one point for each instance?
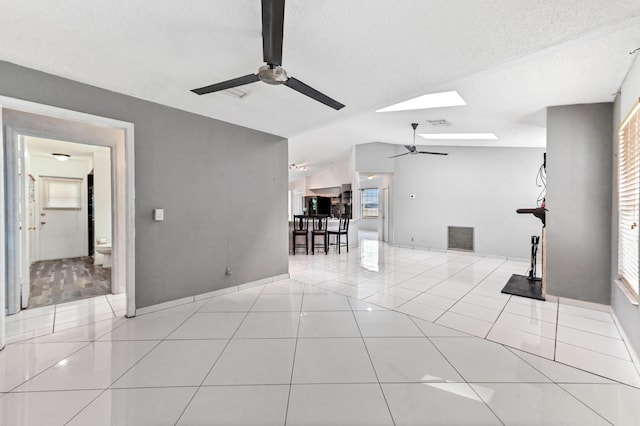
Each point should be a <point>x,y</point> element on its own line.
<point>71,202</point>
<point>20,119</point>
<point>375,210</point>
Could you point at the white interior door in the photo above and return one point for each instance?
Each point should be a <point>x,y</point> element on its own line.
<point>62,230</point>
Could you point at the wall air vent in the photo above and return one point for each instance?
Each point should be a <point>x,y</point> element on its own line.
<point>460,238</point>
<point>439,122</point>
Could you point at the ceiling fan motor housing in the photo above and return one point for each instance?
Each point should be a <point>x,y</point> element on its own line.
<point>272,74</point>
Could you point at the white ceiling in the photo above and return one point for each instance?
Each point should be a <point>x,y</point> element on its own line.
<point>509,59</point>
<point>42,147</point>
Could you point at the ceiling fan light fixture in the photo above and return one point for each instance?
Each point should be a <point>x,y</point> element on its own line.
<point>432,100</point>
<point>61,157</point>
<point>459,136</point>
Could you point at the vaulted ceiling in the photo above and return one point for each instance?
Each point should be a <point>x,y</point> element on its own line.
<point>509,59</point>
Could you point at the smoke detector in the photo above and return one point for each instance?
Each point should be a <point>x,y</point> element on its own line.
<point>441,122</point>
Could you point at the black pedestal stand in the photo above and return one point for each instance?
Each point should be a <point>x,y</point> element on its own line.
<point>527,285</point>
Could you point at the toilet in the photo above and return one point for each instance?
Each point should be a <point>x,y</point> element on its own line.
<point>105,251</point>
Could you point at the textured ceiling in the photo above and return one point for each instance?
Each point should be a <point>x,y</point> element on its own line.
<point>509,59</point>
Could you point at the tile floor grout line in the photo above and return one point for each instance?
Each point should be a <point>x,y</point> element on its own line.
<point>470,290</point>
<point>497,318</point>
<point>630,351</point>
<point>455,369</point>
<point>584,403</point>
<point>355,319</point>
<point>293,363</point>
<point>615,381</point>
<point>111,306</point>
<point>184,410</point>
<point>49,367</point>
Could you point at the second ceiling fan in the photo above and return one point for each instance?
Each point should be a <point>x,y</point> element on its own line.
<point>272,72</point>
<point>413,150</point>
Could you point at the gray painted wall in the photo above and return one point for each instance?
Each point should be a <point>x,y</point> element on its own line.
<point>628,314</point>
<point>223,188</point>
<point>579,170</point>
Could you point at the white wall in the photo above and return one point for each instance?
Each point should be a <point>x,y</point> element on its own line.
<point>102,197</point>
<point>297,190</point>
<point>66,230</point>
<point>331,177</point>
<point>475,187</point>
<point>374,157</point>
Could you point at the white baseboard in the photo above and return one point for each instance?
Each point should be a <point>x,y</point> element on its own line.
<point>164,305</point>
<point>209,295</point>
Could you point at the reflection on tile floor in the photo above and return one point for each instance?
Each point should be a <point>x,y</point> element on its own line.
<point>413,337</point>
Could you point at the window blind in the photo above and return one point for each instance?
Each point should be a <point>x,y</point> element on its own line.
<point>628,198</point>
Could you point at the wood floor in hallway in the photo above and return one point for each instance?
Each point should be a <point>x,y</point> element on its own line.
<point>64,280</point>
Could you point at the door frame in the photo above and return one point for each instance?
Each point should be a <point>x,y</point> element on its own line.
<point>383,197</point>
<point>123,197</point>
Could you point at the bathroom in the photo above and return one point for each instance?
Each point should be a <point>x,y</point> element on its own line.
<point>68,218</point>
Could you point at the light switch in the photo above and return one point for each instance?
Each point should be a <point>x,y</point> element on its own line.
<point>158,214</point>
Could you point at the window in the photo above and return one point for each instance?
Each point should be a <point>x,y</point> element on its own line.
<point>61,193</point>
<point>369,200</point>
<point>628,198</point>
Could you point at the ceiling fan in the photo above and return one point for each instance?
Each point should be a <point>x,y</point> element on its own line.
<point>272,72</point>
<point>413,150</point>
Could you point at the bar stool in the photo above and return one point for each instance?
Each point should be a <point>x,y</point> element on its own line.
<point>343,229</point>
<point>300,228</point>
<point>319,229</point>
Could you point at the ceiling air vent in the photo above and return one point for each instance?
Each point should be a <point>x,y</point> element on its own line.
<point>439,122</point>
<point>460,238</point>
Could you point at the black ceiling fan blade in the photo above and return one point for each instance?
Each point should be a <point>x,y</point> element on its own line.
<point>399,155</point>
<point>240,81</point>
<point>272,30</point>
<point>433,153</point>
<point>299,86</point>
<point>410,148</point>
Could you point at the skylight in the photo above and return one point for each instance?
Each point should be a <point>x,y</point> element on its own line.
<point>459,136</point>
<point>432,100</point>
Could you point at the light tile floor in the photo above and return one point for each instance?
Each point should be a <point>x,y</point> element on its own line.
<point>380,335</point>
